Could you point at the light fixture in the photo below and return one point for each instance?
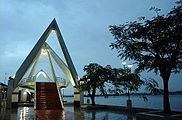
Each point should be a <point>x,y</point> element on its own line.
<point>123,63</point>
<point>43,51</point>
<point>25,92</point>
<point>129,66</point>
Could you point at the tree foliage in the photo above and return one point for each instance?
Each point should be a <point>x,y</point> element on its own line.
<point>126,80</point>
<point>106,80</point>
<point>154,44</point>
<point>129,82</point>
<point>95,79</point>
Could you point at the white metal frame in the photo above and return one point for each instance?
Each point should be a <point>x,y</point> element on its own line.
<point>68,70</point>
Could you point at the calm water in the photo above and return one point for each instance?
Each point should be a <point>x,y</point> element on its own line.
<point>155,102</point>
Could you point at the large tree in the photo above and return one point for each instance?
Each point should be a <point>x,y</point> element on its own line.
<point>154,44</point>
<point>95,79</point>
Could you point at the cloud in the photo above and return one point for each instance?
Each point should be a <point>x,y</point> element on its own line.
<point>83,23</point>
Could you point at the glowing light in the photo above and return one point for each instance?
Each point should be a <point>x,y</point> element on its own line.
<point>129,66</point>
<point>43,51</point>
<point>124,63</point>
<point>25,93</point>
<point>13,76</point>
<point>53,30</point>
<point>81,82</point>
<point>41,72</point>
<point>28,91</point>
<point>72,82</point>
<point>63,115</point>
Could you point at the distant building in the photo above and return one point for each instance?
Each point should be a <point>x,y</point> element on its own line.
<point>3,95</point>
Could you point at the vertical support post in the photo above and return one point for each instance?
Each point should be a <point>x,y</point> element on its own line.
<point>9,93</point>
<point>81,98</point>
<point>24,95</point>
<point>19,95</point>
<point>81,93</point>
<point>76,97</point>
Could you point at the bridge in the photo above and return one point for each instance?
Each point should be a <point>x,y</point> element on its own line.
<point>46,92</point>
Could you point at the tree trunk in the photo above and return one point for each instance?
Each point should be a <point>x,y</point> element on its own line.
<point>165,74</point>
<point>166,104</point>
<point>93,100</point>
<point>93,95</point>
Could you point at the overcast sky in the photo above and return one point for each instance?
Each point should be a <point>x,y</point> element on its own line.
<point>83,23</point>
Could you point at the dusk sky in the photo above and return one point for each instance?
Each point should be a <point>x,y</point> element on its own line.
<point>84,25</point>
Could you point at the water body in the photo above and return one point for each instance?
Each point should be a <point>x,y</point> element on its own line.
<point>154,102</point>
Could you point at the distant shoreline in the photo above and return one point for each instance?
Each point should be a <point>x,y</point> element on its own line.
<point>170,93</point>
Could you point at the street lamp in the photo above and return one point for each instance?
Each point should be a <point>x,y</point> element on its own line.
<point>128,71</point>
<point>129,102</point>
<point>123,63</point>
<point>130,66</point>
<point>81,82</point>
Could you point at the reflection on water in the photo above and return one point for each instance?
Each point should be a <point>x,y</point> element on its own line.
<point>70,113</point>
<point>8,114</point>
<point>108,115</point>
<point>28,113</point>
<point>25,113</point>
<point>50,115</point>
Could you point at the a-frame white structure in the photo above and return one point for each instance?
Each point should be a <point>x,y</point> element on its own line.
<point>33,58</point>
